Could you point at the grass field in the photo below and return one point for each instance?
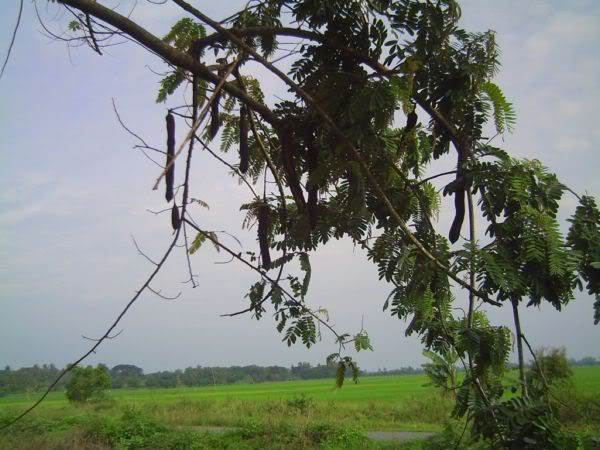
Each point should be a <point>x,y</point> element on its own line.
<point>375,403</point>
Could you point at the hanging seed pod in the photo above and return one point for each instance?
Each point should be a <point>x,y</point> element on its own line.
<point>197,48</point>
<point>264,223</point>
<point>243,139</point>
<point>170,175</point>
<point>459,215</point>
<point>312,205</point>
<point>175,219</point>
<point>289,168</point>
<point>411,120</point>
<point>459,199</point>
<point>312,159</point>
<point>215,121</point>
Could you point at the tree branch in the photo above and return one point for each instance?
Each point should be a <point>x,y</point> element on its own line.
<point>372,179</point>
<point>165,51</point>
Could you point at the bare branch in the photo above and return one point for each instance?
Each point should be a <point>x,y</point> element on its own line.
<point>425,180</point>
<point>230,166</point>
<point>92,37</point>
<point>164,297</point>
<point>135,135</point>
<point>187,256</point>
<point>107,337</point>
<point>12,39</point>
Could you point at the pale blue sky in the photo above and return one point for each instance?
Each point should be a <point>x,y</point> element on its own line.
<point>72,192</point>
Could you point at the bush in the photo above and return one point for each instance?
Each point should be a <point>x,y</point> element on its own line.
<point>133,430</point>
<point>551,369</point>
<point>346,438</point>
<point>302,403</point>
<point>88,382</point>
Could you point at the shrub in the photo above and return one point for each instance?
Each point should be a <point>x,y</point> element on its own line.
<point>88,382</point>
<point>132,431</point>
<point>302,403</point>
<point>346,438</point>
<point>551,369</point>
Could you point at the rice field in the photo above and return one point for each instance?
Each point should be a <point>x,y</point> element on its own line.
<point>398,403</point>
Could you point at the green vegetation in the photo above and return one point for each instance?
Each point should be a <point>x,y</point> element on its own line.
<point>303,414</point>
<point>87,383</point>
<point>28,379</point>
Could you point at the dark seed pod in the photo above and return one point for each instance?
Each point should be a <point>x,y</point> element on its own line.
<point>411,120</point>
<point>264,223</point>
<point>175,219</point>
<point>459,198</point>
<point>170,175</point>
<point>215,120</point>
<point>197,48</point>
<point>243,139</point>
<point>313,209</point>
<point>290,169</point>
<point>459,215</point>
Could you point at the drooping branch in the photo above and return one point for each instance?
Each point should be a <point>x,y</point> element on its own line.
<point>264,275</point>
<point>104,337</point>
<point>145,286</point>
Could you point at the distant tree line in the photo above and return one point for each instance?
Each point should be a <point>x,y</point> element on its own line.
<point>38,377</point>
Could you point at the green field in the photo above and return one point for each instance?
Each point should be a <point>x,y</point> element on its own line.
<point>374,403</point>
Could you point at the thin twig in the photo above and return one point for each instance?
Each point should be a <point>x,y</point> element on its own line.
<point>107,337</point>
<point>12,39</point>
<point>92,37</point>
<point>135,135</point>
<point>425,180</point>
<point>164,297</point>
<point>230,166</point>
<point>141,252</point>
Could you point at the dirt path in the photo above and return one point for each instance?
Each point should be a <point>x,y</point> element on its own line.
<point>398,436</point>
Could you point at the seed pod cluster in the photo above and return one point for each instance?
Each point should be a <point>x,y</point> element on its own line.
<point>170,175</point>
<point>264,223</point>
<point>243,139</point>
<point>175,218</point>
<point>289,168</point>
